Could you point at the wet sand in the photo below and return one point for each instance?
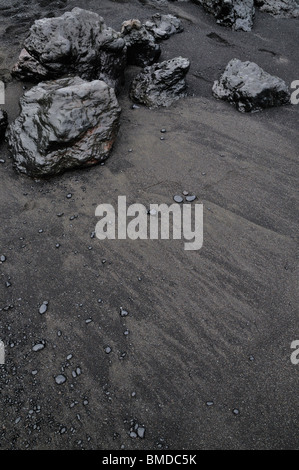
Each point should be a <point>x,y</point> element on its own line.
<point>213,325</point>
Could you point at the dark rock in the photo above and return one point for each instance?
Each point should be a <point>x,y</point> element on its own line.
<point>279,8</point>
<point>164,26</point>
<point>3,122</point>
<point>237,14</point>
<point>250,88</point>
<point>64,124</point>
<point>79,43</point>
<point>28,68</point>
<point>161,84</point>
<point>142,49</point>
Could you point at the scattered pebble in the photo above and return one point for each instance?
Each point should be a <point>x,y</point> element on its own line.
<point>236,411</point>
<point>177,198</point>
<point>108,350</point>
<point>38,347</point>
<point>190,198</point>
<point>60,379</point>
<point>123,312</point>
<point>44,307</point>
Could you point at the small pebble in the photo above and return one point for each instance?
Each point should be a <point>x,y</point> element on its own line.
<point>38,347</point>
<point>123,312</point>
<point>178,198</point>
<point>60,379</point>
<point>190,198</point>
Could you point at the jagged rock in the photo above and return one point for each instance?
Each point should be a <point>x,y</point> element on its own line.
<point>164,26</point>
<point>280,8</point>
<point>161,84</point>
<point>64,124</point>
<point>238,14</point>
<point>250,88</point>
<point>142,49</point>
<point>79,43</point>
<point>28,68</point>
<point>3,123</point>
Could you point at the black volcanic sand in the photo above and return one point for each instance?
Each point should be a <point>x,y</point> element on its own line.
<point>214,325</point>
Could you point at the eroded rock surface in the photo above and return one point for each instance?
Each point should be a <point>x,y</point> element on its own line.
<point>250,88</point>
<point>161,84</point>
<point>142,48</point>
<point>280,8</point>
<point>164,26</point>
<point>64,124</point>
<point>237,14</point>
<point>79,43</point>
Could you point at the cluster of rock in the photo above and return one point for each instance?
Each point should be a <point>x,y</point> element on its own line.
<point>71,118</point>
<point>250,88</point>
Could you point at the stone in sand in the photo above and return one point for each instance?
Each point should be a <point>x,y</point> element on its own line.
<point>161,84</point>
<point>64,124</point>
<point>250,88</point>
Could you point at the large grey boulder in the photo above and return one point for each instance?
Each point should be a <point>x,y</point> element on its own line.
<point>161,84</point>
<point>164,26</point>
<point>3,123</point>
<point>280,8</point>
<point>64,124</point>
<point>78,43</point>
<point>237,14</point>
<point>250,88</point>
<point>142,48</point>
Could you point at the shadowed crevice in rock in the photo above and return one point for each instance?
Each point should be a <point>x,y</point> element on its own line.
<point>3,123</point>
